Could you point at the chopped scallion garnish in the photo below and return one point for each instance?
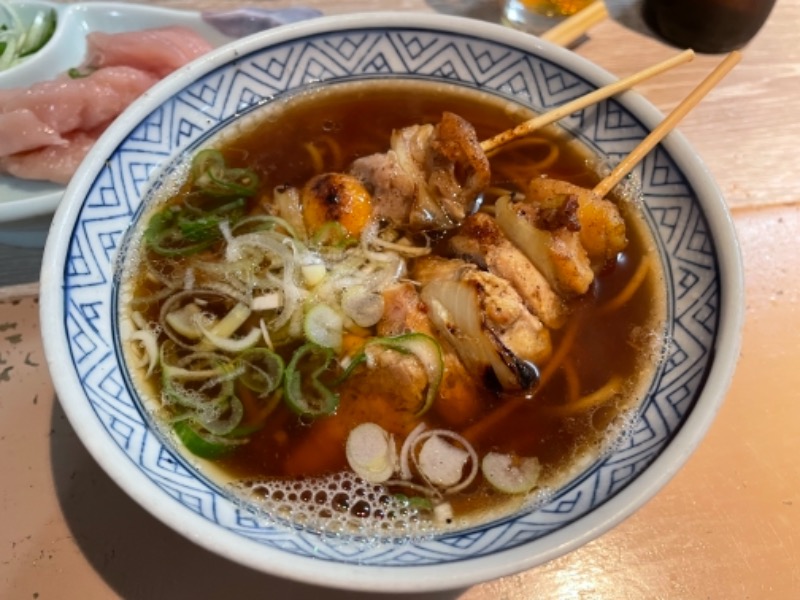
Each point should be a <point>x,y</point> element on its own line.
<point>18,40</point>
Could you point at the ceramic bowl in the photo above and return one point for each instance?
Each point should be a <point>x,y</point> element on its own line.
<point>682,205</point>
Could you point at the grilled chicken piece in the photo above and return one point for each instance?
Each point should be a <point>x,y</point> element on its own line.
<point>555,250</point>
<point>482,242</point>
<point>392,189</point>
<point>459,400</point>
<point>433,268</point>
<point>485,320</point>
<point>431,176</point>
<point>403,311</point>
<point>565,230</point>
<point>602,229</point>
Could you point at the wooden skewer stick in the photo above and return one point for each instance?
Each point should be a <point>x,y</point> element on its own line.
<point>562,111</point>
<point>667,125</point>
<point>573,27</point>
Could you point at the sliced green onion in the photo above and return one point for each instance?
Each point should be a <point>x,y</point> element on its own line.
<point>75,73</point>
<point>201,444</point>
<point>18,41</point>
<point>314,273</point>
<point>333,233</point>
<point>306,393</point>
<point>263,370</point>
<point>184,320</point>
<point>363,305</point>
<point>441,463</point>
<point>164,238</point>
<point>232,413</point>
<point>212,176</point>
<point>371,452</point>
<point>175,231</point>
<point>426,350</point>
<point>39,33</point>
<point>264,223</point>
<point>202,386</point>
<point>419,503</point>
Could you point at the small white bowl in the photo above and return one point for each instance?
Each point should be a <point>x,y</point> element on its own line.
<point>683,206</point>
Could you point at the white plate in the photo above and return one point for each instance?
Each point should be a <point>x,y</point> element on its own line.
<point>26,206</point>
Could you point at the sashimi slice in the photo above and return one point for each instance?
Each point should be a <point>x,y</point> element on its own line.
<point>61,118</point>
<point>159,51</point>
<point>70,104</point>
<point>51,163</point>
<point>22,131</point>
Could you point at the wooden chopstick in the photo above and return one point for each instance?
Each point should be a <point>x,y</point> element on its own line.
<point>571,28</point>
<point>602,93</point>
<point>667,125</point>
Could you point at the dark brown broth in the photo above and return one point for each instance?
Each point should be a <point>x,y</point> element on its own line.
<point>360,120</point>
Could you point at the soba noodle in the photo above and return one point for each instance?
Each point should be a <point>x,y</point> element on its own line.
<point>298,356</point>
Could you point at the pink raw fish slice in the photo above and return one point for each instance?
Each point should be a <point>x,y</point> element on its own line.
<point>158,51</point>
<point>22,131</point>
<point>71,104</point>
<point>51,163</point>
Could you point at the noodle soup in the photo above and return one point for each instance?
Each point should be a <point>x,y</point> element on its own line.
<point>350,360</point>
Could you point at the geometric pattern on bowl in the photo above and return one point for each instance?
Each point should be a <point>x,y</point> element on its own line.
<point>195,112</point>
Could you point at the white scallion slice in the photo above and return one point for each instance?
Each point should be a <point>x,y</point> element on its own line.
<point>442,463</point>
<point>443,513</point>
<point>511,474</point>
<point>220,335</point>
<point>323,326</point>
<point>371,452</point>
<point>362,305</point>
<point>229,344</point>
<point>270,301</point>
<point>228,324</point>
<point>149,346</point>
<point>184,321</point>
<point>313,274</point>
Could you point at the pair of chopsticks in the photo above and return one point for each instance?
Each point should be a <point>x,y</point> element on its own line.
<point>571,29</point>
<point>625,166</point>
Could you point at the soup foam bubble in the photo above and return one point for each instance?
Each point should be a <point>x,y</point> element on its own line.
<point>340,504</point>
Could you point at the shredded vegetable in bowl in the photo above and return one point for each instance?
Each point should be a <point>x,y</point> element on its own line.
<point>20,39</point>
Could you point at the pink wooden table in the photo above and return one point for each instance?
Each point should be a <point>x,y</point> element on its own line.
<point>727,526</point>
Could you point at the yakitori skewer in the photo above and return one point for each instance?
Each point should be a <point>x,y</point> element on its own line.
<point>667,125</point>
<point>492,144</point>
<point>575,26</point>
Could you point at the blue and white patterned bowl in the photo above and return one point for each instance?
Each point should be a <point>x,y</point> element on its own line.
<point>682,205</point>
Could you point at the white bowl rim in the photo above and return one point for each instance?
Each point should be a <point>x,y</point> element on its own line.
<point>377,578</point>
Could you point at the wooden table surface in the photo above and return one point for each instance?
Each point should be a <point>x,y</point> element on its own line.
<point>727,526</point>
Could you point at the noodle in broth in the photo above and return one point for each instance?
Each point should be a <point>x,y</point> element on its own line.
<point>265,338</point>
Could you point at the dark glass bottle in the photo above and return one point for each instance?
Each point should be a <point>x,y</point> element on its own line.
<point>707,25</point>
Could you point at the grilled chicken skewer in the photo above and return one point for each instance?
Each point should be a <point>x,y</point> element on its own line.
<point>566,232</point>
<point>508,278</point>
<point>433,175</point>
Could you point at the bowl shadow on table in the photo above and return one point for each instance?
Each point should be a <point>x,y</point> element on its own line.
<point>138,557</point>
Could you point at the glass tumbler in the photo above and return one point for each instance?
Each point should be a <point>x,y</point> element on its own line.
<point>537,16</point>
